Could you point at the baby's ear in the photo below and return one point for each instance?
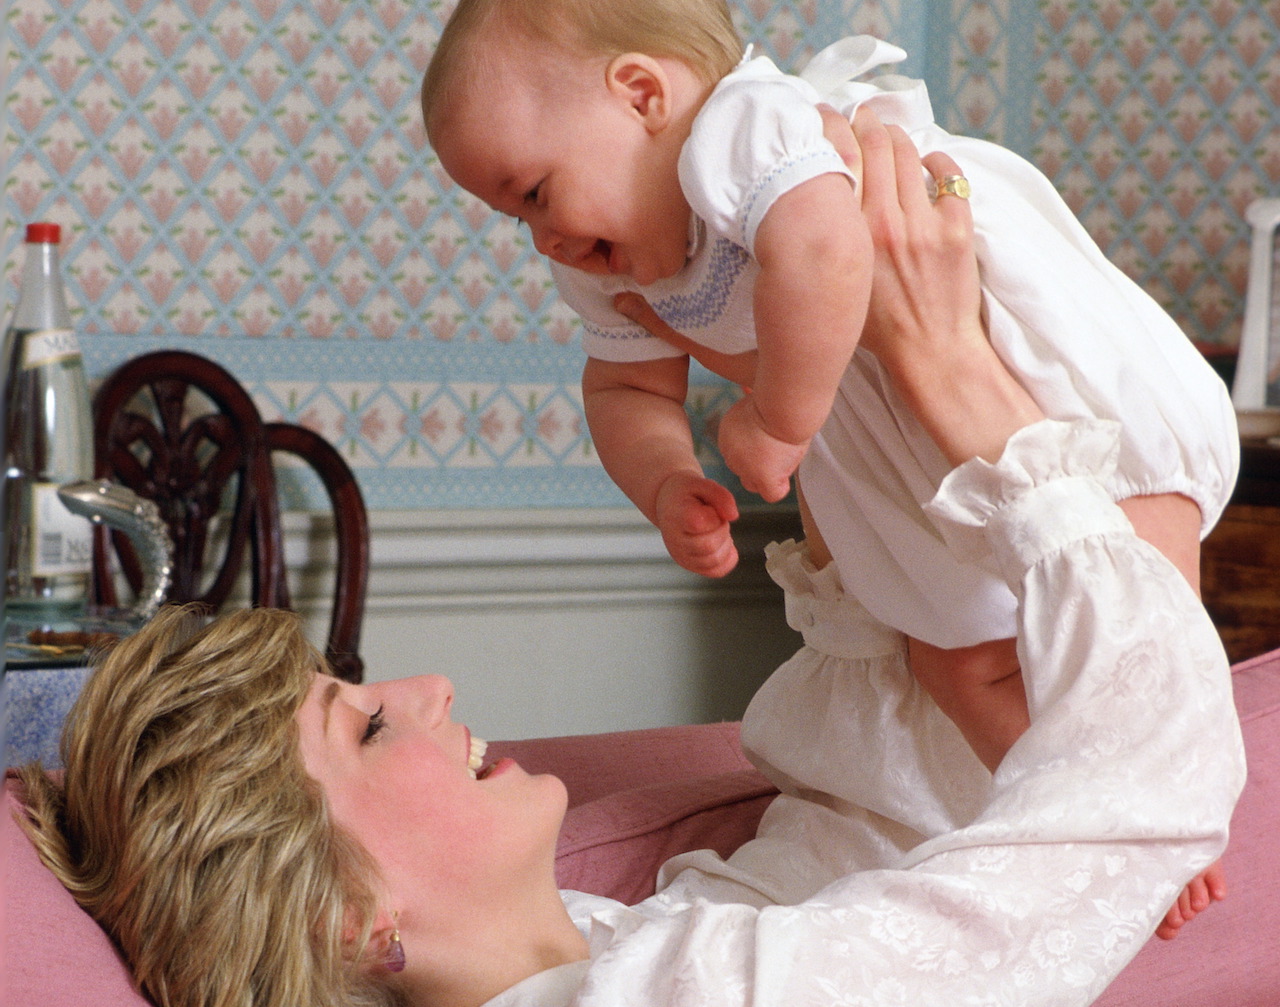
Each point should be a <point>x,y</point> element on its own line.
<point>643,83</point>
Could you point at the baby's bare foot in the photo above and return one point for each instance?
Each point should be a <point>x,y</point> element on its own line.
<point>1204,889</point>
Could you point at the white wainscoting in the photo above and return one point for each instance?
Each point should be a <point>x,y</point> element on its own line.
<point>557,622</point>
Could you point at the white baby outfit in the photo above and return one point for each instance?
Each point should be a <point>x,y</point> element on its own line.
<point>893,870</point>
<point>1081,336</point>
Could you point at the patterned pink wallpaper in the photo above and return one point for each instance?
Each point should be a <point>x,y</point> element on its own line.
<point>249,178</point>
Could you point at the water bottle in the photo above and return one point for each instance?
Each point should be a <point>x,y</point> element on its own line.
<point>4,553</point>
<point>48,441</point>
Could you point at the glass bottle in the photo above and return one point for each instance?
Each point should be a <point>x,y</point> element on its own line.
<point>48,441</point>
<point>4,549</point>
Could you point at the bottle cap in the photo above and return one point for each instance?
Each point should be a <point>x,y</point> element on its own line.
<point>44,234</point>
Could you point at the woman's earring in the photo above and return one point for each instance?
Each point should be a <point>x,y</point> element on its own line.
<point>394,961</point>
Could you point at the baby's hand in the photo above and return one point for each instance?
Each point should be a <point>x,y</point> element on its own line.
<point>693,514</point>
<point>764,463</point>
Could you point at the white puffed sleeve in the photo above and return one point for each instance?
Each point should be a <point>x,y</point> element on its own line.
<point>757,136</point>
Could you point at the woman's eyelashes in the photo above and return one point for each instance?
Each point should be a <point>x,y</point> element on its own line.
<point>372,729</point>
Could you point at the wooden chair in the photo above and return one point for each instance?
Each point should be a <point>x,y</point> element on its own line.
<point>179,429</point>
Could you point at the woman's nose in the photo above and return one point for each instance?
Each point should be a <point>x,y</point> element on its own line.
<point>437,696</point>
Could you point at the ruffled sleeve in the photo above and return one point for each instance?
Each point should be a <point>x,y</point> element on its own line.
<point>1020,509</point>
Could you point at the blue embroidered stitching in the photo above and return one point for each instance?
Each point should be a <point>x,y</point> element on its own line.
<point>698,308</point>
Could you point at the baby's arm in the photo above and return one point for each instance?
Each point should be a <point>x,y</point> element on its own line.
<point>810,301</point>
<point>641,432</point>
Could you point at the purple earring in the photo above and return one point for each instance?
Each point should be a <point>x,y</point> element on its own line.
<point>394,962</point>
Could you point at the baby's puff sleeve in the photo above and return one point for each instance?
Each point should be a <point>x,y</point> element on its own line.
<point>757,136</point>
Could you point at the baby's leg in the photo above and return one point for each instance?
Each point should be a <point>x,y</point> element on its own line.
<point>980,689</point>
<point>1171,523</point>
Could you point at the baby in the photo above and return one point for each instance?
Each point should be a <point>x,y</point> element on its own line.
<point>647,155</point>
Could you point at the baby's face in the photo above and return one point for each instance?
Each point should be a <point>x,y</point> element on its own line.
<point>598,190</point>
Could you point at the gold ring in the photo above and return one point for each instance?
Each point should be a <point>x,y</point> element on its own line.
<point>954,185</point>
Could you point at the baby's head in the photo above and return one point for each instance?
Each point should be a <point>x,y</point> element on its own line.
<point>569,115</point>
<point>700,33</point>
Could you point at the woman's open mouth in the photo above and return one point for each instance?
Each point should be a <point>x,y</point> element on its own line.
<point>475,759</point>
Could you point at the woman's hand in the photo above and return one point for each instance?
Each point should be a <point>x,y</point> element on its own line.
<point>926,302</point>
<point>925,323</point>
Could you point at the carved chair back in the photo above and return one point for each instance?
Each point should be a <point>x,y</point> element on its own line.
<point>179,429</point>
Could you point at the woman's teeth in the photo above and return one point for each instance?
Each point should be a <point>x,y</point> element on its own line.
<point>476,758</point>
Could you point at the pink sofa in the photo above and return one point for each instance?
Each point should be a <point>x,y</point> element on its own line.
<point>639,797</point>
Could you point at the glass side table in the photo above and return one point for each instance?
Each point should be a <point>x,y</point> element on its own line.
<point>42,679</point>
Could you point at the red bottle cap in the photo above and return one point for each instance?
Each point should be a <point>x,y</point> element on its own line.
<point>44,234</point>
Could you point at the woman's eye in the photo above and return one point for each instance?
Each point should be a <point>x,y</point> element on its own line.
<point>375,725</point>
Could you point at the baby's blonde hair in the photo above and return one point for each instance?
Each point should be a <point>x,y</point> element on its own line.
<point>187,826</point>
<point>698,32</point>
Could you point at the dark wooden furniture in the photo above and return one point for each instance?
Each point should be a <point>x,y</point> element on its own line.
<point>179,429</point>
<point>1240,560</point>
<point>351,533</point>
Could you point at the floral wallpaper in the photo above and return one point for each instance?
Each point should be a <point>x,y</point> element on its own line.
<point>1160,123</point>
<point>249,179</point>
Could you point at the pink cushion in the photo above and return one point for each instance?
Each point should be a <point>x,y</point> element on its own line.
<point>55,955</point>
<point>1229,956</point>
<point>615,844</point>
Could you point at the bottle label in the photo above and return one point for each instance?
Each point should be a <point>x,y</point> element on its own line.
<point>61,542</point>
<point>48,346</point>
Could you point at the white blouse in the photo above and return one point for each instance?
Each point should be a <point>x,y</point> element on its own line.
<point>1081,336</point>
<point>892,870</point>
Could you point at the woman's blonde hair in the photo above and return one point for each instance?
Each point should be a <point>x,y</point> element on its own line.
<point>698,32</point>
<point>187,826</point>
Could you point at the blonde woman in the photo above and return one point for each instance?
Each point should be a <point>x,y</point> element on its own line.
<point>315,842</point>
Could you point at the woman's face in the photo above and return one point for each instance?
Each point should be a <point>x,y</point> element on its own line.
<point>394,770</point>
